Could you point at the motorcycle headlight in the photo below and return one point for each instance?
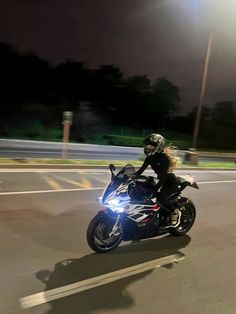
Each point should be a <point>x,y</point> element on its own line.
<point>115,206</point>
<point>113,202</point>
<point>117,209</point>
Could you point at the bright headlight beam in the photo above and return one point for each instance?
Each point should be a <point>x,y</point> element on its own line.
<point>113,202</point>
<point>118,209</point>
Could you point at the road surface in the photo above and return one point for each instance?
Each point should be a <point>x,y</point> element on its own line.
<point>37,149</point>
<point>43,219</point>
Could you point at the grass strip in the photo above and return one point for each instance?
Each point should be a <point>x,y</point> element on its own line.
<point>137,163</point>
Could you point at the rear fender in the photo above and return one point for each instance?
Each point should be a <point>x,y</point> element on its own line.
<point>187,180</point>
<point>195,185</point>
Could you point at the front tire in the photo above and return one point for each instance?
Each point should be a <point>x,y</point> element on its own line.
<point>187,219</point>
<point>97,235</point>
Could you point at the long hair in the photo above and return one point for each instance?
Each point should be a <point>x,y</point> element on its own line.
<point>170,152</point>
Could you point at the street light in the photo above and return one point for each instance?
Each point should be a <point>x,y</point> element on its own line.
<point>217,13</point>
<point>202,94</point>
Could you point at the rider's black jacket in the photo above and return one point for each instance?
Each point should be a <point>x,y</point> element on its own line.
<point>160,163</point>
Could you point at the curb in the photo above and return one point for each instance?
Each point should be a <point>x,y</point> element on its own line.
<point>70,166</point>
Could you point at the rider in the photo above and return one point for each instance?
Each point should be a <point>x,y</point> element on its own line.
<point>162,163</point>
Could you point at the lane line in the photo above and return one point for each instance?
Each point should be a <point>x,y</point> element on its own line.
<point>73,182</point>
<point>61,292</point>
<point>91,189</point>
<point>50,191</point>
<point>52,183</point>
<point>213,182</point>
<point>86,183</point>
<point>102,180</point>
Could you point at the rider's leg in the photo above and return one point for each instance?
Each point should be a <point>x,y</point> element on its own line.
<point>163,198</point>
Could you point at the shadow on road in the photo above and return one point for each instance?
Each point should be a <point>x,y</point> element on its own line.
<point>113,295</point>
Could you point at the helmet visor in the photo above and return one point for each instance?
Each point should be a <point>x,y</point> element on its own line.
<point>149,149</point>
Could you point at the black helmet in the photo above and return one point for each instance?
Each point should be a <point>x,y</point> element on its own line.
<point>153,143</point>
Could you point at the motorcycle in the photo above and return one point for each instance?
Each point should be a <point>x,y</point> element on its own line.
<point>128,211</point>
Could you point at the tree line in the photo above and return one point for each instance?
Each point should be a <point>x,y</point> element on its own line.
<point>35,91</point>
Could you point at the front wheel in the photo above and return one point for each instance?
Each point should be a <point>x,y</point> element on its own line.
<point>98,235</point>
<point>187,219</point>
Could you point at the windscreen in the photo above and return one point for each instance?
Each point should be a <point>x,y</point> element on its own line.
<point>119,178</point>
<point>126,171</point>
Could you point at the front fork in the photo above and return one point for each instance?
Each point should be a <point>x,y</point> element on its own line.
<point>115,229</point>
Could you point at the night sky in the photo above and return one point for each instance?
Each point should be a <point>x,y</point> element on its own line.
<point>143,37</point>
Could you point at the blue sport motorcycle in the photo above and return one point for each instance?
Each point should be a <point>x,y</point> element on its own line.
<point>128,212</point>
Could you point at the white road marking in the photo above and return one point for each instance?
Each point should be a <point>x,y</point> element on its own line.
<point>61,292</point>
<point>91,189</point>
<point>50,191</point>
<point>212,182</point>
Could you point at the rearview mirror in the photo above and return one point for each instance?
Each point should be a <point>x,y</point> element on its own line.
<point>112,167</point>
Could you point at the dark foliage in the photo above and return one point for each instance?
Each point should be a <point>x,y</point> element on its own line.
<point>29,80</point>
<point>34,94</point>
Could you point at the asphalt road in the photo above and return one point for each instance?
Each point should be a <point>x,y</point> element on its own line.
<point>43,221</point>
<point>71,154</point>
<point>37,149</point>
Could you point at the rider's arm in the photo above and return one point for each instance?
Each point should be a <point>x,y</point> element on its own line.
<point>143,167</point>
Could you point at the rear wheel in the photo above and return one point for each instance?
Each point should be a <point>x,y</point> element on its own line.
<point>98,235</point>
<point>187,219</point>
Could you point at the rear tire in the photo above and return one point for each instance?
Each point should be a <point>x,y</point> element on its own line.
<point>187,219</point>
<point>97,235</point>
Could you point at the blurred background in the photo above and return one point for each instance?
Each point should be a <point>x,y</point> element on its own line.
<point>123,69</point>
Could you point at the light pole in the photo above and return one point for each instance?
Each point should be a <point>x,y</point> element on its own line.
<point>202,94</point>
<point>67,121</point>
